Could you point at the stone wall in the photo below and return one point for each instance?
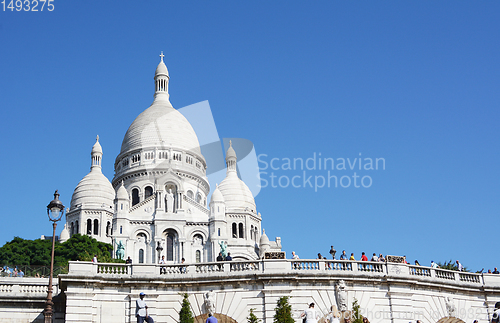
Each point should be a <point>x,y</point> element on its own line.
<point>386,292</point>
<point>22,300</point>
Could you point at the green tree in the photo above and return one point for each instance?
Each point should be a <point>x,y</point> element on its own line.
<point>185,315</point>
<point>450,265</point>
<point>357,318</point>
<point>21,252</point>
<point>252,318</point>
<point>283,311</point>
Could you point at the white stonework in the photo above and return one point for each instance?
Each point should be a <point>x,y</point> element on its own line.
<point>157,202</point>
<point>386,292</point>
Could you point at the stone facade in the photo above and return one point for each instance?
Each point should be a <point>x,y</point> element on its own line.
<point>386,292</point>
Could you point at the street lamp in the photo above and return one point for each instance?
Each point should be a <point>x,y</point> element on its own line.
<point>55,211</point>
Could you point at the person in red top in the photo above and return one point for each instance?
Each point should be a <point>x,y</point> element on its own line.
<point>364,257</point>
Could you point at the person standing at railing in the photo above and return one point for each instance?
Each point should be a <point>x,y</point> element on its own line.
<point>364,257</point>
<point>94,260</point>
<point>459,266</point>
<point>374,257</point>
<point>381,258</point>
<point>294,255</point>
<point>311,314</point>
<point>352,256</point>
<point>434,265</point>
<point>343,256</point>
<point>333,252</point>
<point>129,260</point>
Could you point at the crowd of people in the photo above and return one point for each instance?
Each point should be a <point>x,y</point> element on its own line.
<point>11,272</point>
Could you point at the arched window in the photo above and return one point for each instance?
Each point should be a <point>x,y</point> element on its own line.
<point>108,229</point>
<point>72,228</point>
<point>148,191</point>
<point>77,230</point>
<point>190,195</point>
<point>198,256</point>
<point>198,198</point>
<point>251,232</point>
<point>96,227</point>
<point>235,231</point>
<point>121,229</point>
<point>89,226</point>
<point>241,231</point>
<point>135,196</point>
<point>141,256</point>
<point>170,246</point>
<point>219,232</point>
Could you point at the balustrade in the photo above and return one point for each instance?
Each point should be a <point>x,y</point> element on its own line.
<point>294,265</point>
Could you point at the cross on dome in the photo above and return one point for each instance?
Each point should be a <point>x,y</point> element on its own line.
<point>97,138</point>
<point>161,55</point>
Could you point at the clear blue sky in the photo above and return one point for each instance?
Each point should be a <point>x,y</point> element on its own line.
<point>415,83</point>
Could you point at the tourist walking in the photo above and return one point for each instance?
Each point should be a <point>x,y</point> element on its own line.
<point>334,315</point>
<point>496,313</point>
<point>141,310</point>
<point>311,314</point>
<point>211,319</point>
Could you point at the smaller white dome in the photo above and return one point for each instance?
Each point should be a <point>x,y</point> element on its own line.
<point>121,193</point>
<point>217,196</point>
<point>264,240</point>
<point>230,151</point>
<point>236,193</point>
<point>94,190</point>
<point>64,234</point>
<point>97,147</point>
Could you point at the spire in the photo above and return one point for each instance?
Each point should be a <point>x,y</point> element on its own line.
<point>161,80</point>
<point>231,158</point>
<point>96,156</point>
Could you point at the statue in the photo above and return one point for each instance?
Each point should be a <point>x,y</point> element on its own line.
<point>223,248</point>
<point>209,298</point>
<point>450,307</point>
<point>342,296</point>
<point>170,201</point>
<point>120,250</point>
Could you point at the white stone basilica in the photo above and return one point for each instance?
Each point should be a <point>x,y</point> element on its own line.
<point>156,204</point>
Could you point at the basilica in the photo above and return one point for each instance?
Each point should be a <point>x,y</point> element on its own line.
<point>156,204</point>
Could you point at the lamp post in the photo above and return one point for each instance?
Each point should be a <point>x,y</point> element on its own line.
<point>55,211</point>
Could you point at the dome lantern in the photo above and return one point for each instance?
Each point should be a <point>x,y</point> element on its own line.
<point>161,80</point>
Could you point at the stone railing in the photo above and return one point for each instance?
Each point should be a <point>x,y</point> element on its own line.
<point>342,268</point>
<point>113,269</point>
<point>26,286</point>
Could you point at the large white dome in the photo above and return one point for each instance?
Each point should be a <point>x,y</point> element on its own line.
<point>161,126</point>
